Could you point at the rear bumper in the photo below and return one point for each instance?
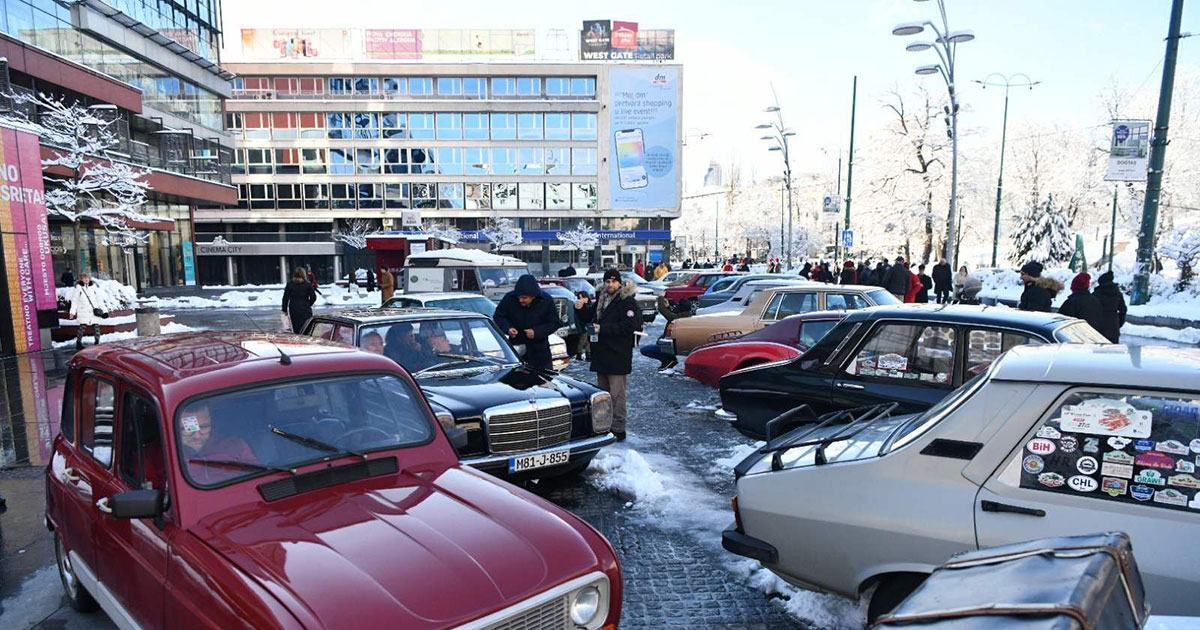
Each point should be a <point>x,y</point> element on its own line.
<point>580,449</point>
<point>748,546</point>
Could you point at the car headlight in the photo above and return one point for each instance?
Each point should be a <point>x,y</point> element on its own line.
<point>585,606</point>
<point>602,412</point>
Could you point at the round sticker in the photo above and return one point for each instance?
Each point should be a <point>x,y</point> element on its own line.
<point>628,313</point>
<point>1087,465</point>
<point>1079,483</point>
<point>1195,445</point>
<point>1068,444</point>
<point>1040,446</point>
<point>1033,464</point>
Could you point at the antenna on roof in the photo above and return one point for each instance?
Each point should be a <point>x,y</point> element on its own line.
<point>284,359</point>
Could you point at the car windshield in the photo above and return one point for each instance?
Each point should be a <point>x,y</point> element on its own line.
<point>499,276</point>
<point>236,435</point>
<point>724,285</point>
<point>475,304</point>
<point>432,346</point>
<point>881,297</point>
<point>1079,332</point>
<point>629,275</point>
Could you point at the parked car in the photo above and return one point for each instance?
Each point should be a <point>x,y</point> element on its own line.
<point>747,292</point>
<point>645,298</point>
<point>243,480</point>
<point>725,288</point>
<point>671,279</point>
<point>475,381</point>
<point>785,339</point>
<point>913,355</point>
<point>560,341</point>
<point>1052,440</point>
<point>695,286</point>
<point>459,269</point>
<point>575,284</point>
<point>772,305</point>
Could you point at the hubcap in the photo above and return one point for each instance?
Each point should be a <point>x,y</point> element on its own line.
<point>70,583</point>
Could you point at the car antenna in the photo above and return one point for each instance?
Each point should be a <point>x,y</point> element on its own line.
<point>284,359</point>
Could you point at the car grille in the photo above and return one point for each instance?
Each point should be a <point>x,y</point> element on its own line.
<point>549,616</point>
<point>528,426</point>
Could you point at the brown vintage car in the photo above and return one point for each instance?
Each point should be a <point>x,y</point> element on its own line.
<point>685,334</point>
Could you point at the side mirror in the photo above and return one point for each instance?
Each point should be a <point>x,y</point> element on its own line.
<point>137,504</point>
<point>458,437</point>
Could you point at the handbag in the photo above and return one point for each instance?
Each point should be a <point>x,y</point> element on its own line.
<point>95,311</point>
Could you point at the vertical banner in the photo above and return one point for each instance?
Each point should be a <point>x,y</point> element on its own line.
<point>1130,151</point>
<point>189,264</point>
<point>594,40</point>
<point>28,273</point>
<point>643,124</point>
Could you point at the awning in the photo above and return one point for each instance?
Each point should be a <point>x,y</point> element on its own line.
<point>158,223</point>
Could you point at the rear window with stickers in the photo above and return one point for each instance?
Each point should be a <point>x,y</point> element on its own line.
<point>1142,449</point>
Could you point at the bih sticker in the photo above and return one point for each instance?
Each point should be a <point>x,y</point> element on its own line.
<point>1079,483</point>
<point>1040,446</point>
<point>190,424</point>
<point>1033,464</point>
<point>1087,465</point>
<point>1171,497</point>
<point>1052,480</point>
<point>1113,487</point>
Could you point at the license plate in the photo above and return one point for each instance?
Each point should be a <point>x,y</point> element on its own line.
<point>538,460</point>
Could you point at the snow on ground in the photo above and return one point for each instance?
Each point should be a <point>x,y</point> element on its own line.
<point>1165,301</point>
<point>328,296</point>
<point>110,295</point>
<point>725,465</point>
<point>1182,335</point>
<point>666,495</point>
<point>118,336</point>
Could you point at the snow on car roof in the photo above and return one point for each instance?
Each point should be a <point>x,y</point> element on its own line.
<point>1109,365</point>
<point>473,256</point>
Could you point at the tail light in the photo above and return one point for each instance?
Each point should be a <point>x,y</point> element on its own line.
<point>668,330</point>
<point>737,516</point>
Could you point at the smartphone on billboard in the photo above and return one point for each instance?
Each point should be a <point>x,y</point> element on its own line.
<point>631,158</point>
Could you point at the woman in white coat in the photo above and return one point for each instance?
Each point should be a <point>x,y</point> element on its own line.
<point>85,303</point>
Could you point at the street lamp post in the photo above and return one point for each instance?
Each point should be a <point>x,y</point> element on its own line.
<point>780,140</point>
<point>945,45</point>
<point>1004,82</point>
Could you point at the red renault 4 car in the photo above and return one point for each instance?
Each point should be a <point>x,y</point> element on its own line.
<point>240,480</point>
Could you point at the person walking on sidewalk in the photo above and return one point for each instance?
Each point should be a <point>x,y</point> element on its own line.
<point>897,279</point>
<point>926,284</point>
<point>943,283</point>
<point>370,281</point>
<point>298,298</point>
<point>1082,304</point>
<point>87,309</point>
<point>1039,292</point>
<point>1112,307</point>
<point>387,284</point>
<point>614,317</point>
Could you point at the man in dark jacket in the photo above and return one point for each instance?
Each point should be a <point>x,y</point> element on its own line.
<point>1081,303</point>
<point>897,280</point>
<point>528,317</point>
<point>943,281</point>
<point>1039,292</point>
<point>926,282</point>
<point>864,274</point>
<point>1112,307</point>
<point>848,275</point>
<point>881,270</point>
<point>370,281</point>
<point>614,316</point>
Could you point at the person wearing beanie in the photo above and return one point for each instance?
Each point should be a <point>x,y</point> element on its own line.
<point>1039,292</point>
<point>1112,307</point>
<point>527,316</point>
<point>926,285</point>
<point>849,275</point>
<point>1081,303</point>
<point>612,319</point>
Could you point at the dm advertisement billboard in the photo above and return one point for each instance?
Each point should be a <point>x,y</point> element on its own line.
<point>643,127</point>
<point>28,271</point>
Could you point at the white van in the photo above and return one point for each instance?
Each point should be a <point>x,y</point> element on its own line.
<point>457,269</point>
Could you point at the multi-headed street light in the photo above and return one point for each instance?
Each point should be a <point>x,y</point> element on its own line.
<point>1006,82</point>
<point>779,139</point>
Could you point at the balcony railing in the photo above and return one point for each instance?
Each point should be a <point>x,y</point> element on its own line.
<point>271,95</point>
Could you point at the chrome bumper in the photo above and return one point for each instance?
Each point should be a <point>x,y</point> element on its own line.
<point>586,446</point>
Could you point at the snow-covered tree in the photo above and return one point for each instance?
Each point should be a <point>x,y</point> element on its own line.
<point>580,239</point>
<point>442,231</point>
<point>355,232</point>
<point>1041,233</point>
<point>1183,247</point>
<point>502,233</point>
<point>109,192</point>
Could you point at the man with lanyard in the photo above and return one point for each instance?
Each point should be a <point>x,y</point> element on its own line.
<point>613,319</point>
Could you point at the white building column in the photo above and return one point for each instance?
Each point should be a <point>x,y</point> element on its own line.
<point>229,270</point>
<point>337,268</point>
<point>283,270</point>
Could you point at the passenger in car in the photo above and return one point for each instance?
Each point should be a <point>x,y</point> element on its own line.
<point>200,444</point>
<point>372,342</point>
<point>434,338</point>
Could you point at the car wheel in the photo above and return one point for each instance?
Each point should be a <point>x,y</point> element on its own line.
<point>77,595</point>
<point>751,363</point>
<point>890,592</point>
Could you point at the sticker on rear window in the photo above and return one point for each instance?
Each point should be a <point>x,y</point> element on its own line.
<point>190,424</point>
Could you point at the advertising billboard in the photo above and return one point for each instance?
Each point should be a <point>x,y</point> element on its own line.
<point>1130,152</point>
<point>301,43</point>
<point>429,44</point>
<point>643,127</point>
<point>611,40</point>
<point>28,271</point>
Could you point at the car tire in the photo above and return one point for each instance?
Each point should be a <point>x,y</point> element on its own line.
<point>77,595</point>
<point>890,592</point>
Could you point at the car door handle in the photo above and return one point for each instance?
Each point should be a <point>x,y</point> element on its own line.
<point>994,506</point>
<point>102,505</point>
<point>850,386</point>
<point>69,475</point>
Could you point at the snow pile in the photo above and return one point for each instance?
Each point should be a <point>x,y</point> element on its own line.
<point>273,298</point>
<point>823,610</point>
<point>118,336</point>
<point>110,295</point>
<point>696,405</point>
<point>1184,335</point>
<point>629,474</point>
<point>725,465</point>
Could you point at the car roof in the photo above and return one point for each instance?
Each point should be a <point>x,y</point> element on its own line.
<point>441,296</point>
<point>964,314</point>
<point>1150,367</point>
<point>378,315</point>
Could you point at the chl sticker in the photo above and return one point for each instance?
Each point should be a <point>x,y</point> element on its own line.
<point>1110,469</point>
<point>1152,477</point>
<point>1174,447</point>
<point>1079,483</point>
<point>1171,496</point>
<point>190,424</point>
<point>1154,459</point>
<point>1118,457</point>
<point>1052,480</point>
<point>1033,464</point>
<point>1113,487</point>
<point>1040,446</point>
<point>1142,446</point>
<point>1140,492</point>
<point>1184,466</point>
<point>1049,432</point>
<point>1118,443</point>
<point>1091,445</point>
<point>1087,465</point>
<point>1105,416</point>
<point>1068,444</point>
<point>1184,481</point>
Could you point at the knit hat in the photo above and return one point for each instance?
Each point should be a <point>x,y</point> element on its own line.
<point>612,274</point>
<point>849,264</point>
<point>1081,282</point>
<point>1033,268</point>
<point>1106,278</point>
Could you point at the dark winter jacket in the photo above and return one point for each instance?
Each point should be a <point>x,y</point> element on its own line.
<point>370,281</point>
<point>298,298</point>
<point>942,278</point>
<point>1112,308</point>
<point>879,274</point>
<point>897,280</point>
<point>1039,294</point>
<point>613,353</point>
<point>1085,306</point>
<point>863,274</point>
<point>567,272</point>
<point>926,284</point>
<point>541,316</point>
<point>848,276</point>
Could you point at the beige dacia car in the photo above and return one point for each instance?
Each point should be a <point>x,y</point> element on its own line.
<point>686,334</point>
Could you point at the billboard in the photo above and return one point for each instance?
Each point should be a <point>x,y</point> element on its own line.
<point>296,43</point>
<point>413,43</point>
<point>610,40</point>
<point>643,123</point>
<point>28,271</point>
<point>1130,151</point>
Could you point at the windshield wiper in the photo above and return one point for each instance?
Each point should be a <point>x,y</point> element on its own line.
<point>853,426</point>
<point>460,359</point>
<point>315,443</point>
<point>228,463</point>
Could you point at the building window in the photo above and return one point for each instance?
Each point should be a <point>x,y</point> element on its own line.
<point>424,195</point>
<point>558,161</point>
<point>341,161</point>
<point>238,165</point>
<point>366,85</point>
<point>475,126</point>
<point>504,126</point>
<point>234,123</point>
<point>257,126</point>
<point>284,126</point>
<point>312,161</point>
<point>258,161</point>
<point>366,125</point>
<point>478,196</point>
<point>504,161</point>
<point>342,196</point>
<point>529,126</point>
<point>475,88</point>
<point>340,86</point>
<point>262,197</point>
<point>340,125</point>
<point>420,86</point>
<point>504,87</point>
<point>449,126</point>
<point>312,125</point>
<point>450,161</point>
<point>558,196</point>
<point>583,86</point>
<point>395,86</point>
<point>420,126</point>
<point>368,161</point>
<point>583,161</point>
<point>504,196</point>
<point>395,161</point>
<point>396,196</point>
<point>583,126</point>
<point>475,161</point>
<point>287,162</point>
<point>421,161</point>
<point>395,124</point>
<point>558,126</point>
<point>529,86</point>
<point>312,85</point>
<point>450,195</point>
<point>558,86</point>
<point>530,161</point>
<point>316,196</point>
<point>289,196</point>
<point>533,196</point>
<point>583,196</point>
<point>370,196</point>
<point>449,86</point>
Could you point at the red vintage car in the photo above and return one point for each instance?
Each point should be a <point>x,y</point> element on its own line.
<point>785,339</point>
<point>694,287</point>
<point>239,480</point>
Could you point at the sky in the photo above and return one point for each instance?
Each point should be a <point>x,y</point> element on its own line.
<point>733,53</point>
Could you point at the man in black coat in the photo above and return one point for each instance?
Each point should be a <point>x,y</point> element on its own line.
<point>1039,292</point>
<point>1112,307</point>
<point>370,281</point>
<point>897,279</point>
<point>1081,303</point>
<point>926,282</point>
<point>527,316</point>
<point>880,272</point>
<point>614,317</point>
<point>943,281</point>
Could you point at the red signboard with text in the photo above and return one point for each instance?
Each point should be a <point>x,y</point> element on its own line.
<point>29,273</point>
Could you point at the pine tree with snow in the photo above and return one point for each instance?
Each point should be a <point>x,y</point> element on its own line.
<point>1041,233</point>
<point>1182,245</point>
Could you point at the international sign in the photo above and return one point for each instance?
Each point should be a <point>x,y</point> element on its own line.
<point>1130,151</point>
<point>610,40</point>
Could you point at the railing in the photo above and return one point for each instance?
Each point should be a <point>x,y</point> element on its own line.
<point>271,95</point>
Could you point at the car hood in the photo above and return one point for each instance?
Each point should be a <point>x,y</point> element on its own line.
<point>423,549</point>
<point>473,392</point>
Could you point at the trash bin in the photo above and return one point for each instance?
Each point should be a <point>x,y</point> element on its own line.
<point>147,321</point>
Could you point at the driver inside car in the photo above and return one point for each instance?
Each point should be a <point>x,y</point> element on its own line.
<point>211,457</point>
<point>434,338</point>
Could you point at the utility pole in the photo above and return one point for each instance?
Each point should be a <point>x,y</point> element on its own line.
<point>850,165</point>
<point>1112,231</point>
<point>717,227</point>
<point>1158,150</point>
